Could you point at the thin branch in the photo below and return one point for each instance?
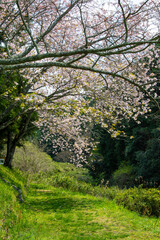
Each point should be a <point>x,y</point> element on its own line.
<point>124,21</point>
<point>81,67</point>
<point>49,29</point>
<point>84,27</point>
<point>103,51</point>
<point>96,62</point>
<point>27,29</point>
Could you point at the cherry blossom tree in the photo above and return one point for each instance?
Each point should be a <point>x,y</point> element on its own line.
<point>81,60</point>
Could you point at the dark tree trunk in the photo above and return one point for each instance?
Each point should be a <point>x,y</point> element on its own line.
<point>11,146</point>
<point>13,140</point>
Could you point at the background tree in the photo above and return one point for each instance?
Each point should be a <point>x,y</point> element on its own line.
<point>17,116</point>
<point>106,156</point>
<point>143,150</point>
<point>136,156</point>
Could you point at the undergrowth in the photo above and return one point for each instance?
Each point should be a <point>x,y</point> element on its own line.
<point>10,211</point>
<point>40,168</point>
<point>57,210</point>
<point>143,201</point>
<point>14,177</point>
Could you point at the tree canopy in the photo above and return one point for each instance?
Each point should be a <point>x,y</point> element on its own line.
<point>79,61</point>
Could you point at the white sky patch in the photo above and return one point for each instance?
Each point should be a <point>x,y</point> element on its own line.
<point>154,24</point>
<point>2,45</point>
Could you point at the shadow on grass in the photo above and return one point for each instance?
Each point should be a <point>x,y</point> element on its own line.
<point>52,201</point>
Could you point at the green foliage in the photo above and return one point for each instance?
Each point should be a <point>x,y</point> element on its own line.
<point>106,157</point>
<point>143,151</point>
<point>49,206</point>
<point>143,201</point>
<point>123,176</point>
<point>16,112</point>
<point>70,183</point>
<point>67,176</point>
<point>73,214</point>
<point>148,161</point>
<point>31,160</point>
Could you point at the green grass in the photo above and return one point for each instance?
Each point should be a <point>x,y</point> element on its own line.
<point>57,213</point>
<point>15,177</point>
<point>60,214</point>
<point>9,207</point>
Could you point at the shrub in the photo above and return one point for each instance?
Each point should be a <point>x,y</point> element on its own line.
<point>123,177</point>
<point>30,159</point>
<point>33,161</point>
<point>143,201</point>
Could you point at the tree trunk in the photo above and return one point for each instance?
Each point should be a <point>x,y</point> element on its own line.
<point>11,146</point>
<point>13,140</point>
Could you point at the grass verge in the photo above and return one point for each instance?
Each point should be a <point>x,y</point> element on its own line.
<point>57,213</point>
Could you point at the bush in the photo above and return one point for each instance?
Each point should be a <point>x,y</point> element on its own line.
<point>32,160</point>
<point>143,201</point>
<point>123,177</point>
<point>70,183</point>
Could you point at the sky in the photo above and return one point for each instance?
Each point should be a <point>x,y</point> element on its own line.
<point>154,23</point>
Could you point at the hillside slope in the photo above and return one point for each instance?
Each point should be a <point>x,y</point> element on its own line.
<point>56,213</point>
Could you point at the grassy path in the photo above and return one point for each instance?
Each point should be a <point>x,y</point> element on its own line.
<point>59,214</point>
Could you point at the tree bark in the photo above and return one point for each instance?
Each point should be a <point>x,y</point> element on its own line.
<point>13,140</point>
<point>11,146</point>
